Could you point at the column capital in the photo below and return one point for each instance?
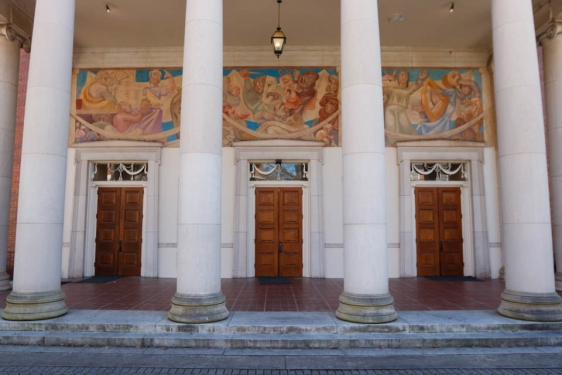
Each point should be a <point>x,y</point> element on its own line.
<point>12,33</point>
<point>553,28</point>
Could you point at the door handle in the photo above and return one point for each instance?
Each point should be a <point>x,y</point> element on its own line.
<point>280,247</point>
<point>120,245</point>
<point>440,246</point>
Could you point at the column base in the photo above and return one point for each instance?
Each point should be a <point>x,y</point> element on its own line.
<point>207,308</point>
<point>558,280</point>
<point>35,306</point>
<point>539,307</point>
<point>369,309</point>
<point>5,281</point>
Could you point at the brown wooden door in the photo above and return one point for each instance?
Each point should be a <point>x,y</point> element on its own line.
<point>119,231</point>
<point>278,232</point>
<point>439,232</point>
<point>450,220</point>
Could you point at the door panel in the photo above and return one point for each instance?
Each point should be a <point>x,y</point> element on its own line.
<point>131,235</point>
<point>290,231</point>
<point>107,231</point>
<point>278,232</point>
<point>439,232</point>
<point>451,231</point>
<point>119,231</point>
<point>427,224</point>
<point>267,232</point>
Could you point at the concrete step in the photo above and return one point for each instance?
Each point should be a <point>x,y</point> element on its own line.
<point>285,341</point>
<point>282,330</point>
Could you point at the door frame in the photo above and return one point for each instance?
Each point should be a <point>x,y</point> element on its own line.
<point>93,205</point>
<point>476,252</point>
<point>468,259</point>
<point>305,221</point>
<point>82,214</point>
<point>120,184</point>
<point>312,204</point>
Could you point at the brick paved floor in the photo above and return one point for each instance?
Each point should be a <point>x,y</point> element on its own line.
<point>136,293</point>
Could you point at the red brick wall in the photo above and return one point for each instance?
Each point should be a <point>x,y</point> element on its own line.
<point>22,90</point>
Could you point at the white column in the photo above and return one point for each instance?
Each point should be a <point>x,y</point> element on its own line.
<point>527,236</point>
<point>9,72</point>
<point>199,298</point>
<point>37,272</point>
<point>365,298</point>
<point>552,54</point>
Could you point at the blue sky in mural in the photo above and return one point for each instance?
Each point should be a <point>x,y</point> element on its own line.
<point>142,75</point>
<point>169,126</point>
<point>82,77</point>
<point>277,72</point>
<point>435,74</point>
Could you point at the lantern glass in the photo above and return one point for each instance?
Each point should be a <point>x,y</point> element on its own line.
<point>278,40</point>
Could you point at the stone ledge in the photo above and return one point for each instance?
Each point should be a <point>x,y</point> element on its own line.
<point>284,341</point>
<point>240,323</point>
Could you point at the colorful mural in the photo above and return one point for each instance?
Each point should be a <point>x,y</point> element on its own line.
<point>432,104</point>
<point>281,104</point>
<point>277,103</point>
<point>127,104</point>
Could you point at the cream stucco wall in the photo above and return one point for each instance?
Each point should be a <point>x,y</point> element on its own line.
<point>332,159</point>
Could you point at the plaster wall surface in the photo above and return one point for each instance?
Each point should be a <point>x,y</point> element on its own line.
<point>168,216</point>
<point>332,167</point>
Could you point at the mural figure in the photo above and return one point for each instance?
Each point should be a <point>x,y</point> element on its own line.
<point>470,108</point>
<point>155,89</point>
<point>100,93</point>
<point>329,104</point>
<point>125,117</point>
<point>397,99</point>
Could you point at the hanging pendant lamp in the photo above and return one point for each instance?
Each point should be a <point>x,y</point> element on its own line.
<point>278,39</point>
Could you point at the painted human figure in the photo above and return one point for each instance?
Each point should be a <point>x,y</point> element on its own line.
<point>397,100</point>
<point>155,77</point>
<point>441,106</point>
<point>330,103</point>
<point>301,94</point>
<point>326,135</point>
<point>253,91</point>
<point>100,93</point>
<point>125,117</point>
<point>277,112</point>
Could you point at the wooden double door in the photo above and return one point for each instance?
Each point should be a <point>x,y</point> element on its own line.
<point>119,231</point>
<point>439,231</point>
<point>278,232</point>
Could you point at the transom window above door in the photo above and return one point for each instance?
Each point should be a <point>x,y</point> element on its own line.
<point>427,171</point>
<point>117,171</point>
<point>278,171</point>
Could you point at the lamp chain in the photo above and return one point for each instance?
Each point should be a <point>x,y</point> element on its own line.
<point>279,15</point>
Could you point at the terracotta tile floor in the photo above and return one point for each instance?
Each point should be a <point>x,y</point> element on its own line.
<point>136,293</point>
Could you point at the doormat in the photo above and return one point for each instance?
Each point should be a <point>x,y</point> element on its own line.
<point>99,279</point>
<point>453,278</point>
<point>273,280</point>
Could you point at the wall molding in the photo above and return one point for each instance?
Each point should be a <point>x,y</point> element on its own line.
<point>150,57</point>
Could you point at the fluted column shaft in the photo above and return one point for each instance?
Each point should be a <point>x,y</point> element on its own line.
<point>552,59</point>
<point>199,298</point>
<point>527,236</point>
<point>365,298</point>
<point>37,270</point>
